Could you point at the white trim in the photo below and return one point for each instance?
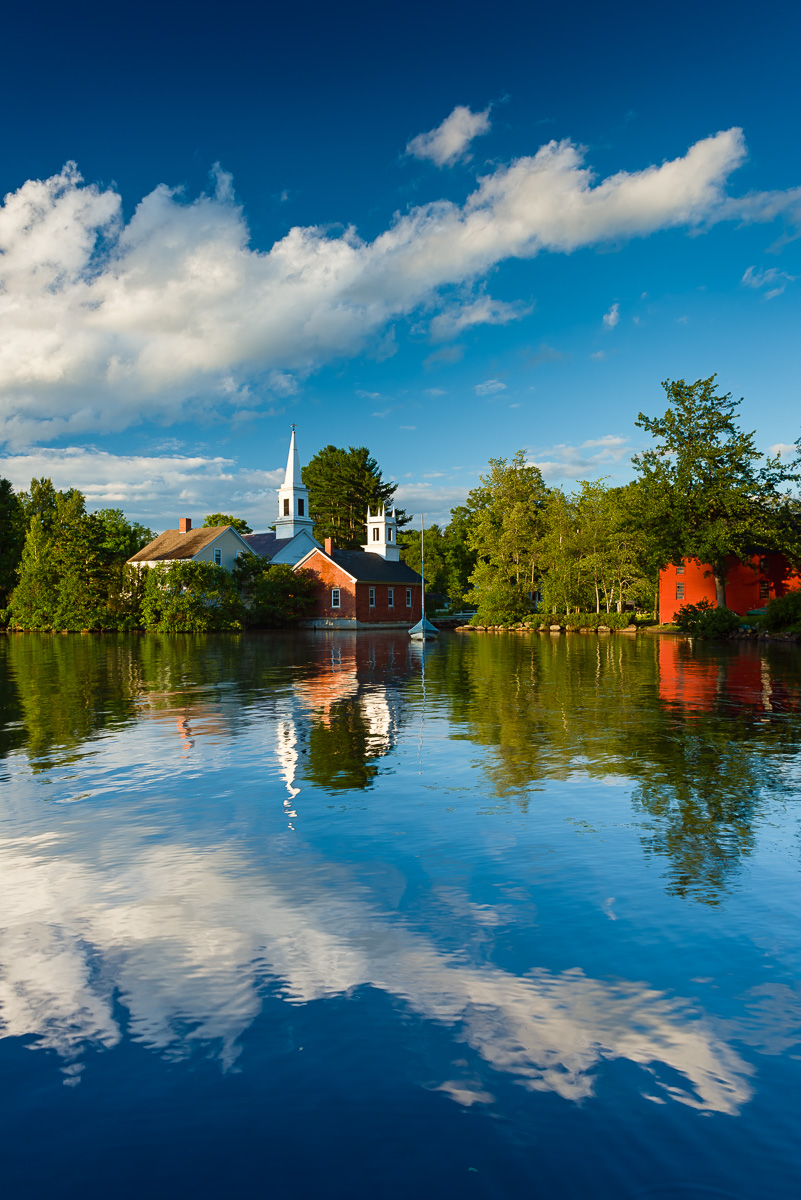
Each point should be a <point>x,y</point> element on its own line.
<point>319,550</point>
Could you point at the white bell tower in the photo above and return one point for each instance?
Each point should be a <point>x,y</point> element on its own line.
<point>382,535</point>
<point>293,498</point>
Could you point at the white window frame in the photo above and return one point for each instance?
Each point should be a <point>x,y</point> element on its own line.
<point>408,597</point>
<point>390,597</point>
<point>375,533</point>
<point>336,597</point>
<point>218,558</point>
<point>371,597</point>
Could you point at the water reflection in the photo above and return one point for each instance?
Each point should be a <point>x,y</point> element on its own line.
<point>187,939</point>
<point>190,915</point>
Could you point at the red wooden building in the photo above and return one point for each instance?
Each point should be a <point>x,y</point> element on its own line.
<point>748,586</point>
<point>364,588</point>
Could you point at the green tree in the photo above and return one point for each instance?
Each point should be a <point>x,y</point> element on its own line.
<point>190,597</point>
<point>706,491</point>
<point>122,538</point>
<point>215,519</point>
<point>505,534</point>
<point>12,539</point>
<point>274,595</point>
<point>449,559</point>
<point>342,485</point>
<point>72,574</point>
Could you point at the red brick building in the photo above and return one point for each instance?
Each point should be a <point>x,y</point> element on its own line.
<point>748,586</point>
<point>359,589</point>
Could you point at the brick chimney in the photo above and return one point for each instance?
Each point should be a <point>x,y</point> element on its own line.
<point>184,524</point>
<point>329,546</point>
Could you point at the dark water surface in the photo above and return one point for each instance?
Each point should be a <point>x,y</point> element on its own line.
<point>310,916</point>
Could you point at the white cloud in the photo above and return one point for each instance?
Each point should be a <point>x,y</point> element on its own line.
<point>570,462</point>
<point>484,311</point>
<point>772,278</point>
<point>108,323</point>
<point>785,449</point>
<point>436,501</point>
<point>186,940</point>
<point>153,489</point>
<point>489,387</point>
<point>612,317</point>
<point>449,142</point>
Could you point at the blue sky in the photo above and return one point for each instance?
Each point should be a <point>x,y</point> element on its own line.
<point>446,232</point>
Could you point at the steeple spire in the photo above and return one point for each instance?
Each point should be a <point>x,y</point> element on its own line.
<point>293,497</point>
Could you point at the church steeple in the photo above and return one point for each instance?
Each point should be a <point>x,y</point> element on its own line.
<point>382,534</point>
<point>293,498</point>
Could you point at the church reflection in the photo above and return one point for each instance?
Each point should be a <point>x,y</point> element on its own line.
<point>343,714</point>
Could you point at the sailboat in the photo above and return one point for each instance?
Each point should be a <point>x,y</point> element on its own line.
<point>423,631</point>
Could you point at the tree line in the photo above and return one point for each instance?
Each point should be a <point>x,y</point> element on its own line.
<point>701,491</point>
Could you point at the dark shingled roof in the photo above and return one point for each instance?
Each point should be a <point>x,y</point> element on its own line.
<point>266,544</point>
<point>173,544</point>
<point>374,568</point>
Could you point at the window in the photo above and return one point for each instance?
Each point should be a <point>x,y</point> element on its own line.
<point>375,535</point>
<point>300,509</point>
<point>680,570</point>
<point>764,589</point>
<point>286,508</point>
<point>372,597</point>
<point>217,558</point>
<point>390,597</point>
<point>408,597</point>
<point>335,598</point>
<point>680,590</point>
<point>389,535</point>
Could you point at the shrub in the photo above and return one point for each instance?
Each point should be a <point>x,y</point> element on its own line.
<point>705,621</point>
<point>276,595</point>
<point>613,620</point>
<point>190,597</point>
<point>783,613</point>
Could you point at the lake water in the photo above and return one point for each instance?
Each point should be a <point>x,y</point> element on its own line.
<point>332,916</point>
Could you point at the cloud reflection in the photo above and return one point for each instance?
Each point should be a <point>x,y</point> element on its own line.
<point>187,938</point>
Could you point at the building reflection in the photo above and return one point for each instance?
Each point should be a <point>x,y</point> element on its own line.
<point>344,713</point>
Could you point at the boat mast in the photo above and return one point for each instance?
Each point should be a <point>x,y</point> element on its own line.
<point>423,570</point>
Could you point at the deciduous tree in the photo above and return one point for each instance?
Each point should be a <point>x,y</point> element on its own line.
<point>707,492</point>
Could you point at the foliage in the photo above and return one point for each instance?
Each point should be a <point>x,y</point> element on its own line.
<point>505,534</point>
<point>783,613</point>
<point>705,620</point>
<point>592,555</point>
<point>342,485</point>
<point>12,539</point>
<point>72,574</point>
<point>122,538</point>
<point>274,595</point>
<point>449,560</point>
<point>585,620</point>
<point>213,520</point>
<point>190,597</point>
<point>704,494</point>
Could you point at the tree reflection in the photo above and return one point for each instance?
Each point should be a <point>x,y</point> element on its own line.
<point>700,731</point>
<point>704,734</point>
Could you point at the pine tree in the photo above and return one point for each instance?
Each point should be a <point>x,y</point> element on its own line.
<point>12,539</point>
<point>342,485</point>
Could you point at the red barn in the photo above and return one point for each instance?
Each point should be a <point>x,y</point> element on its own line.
<point>749,586</point>
<point>364,588</point>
